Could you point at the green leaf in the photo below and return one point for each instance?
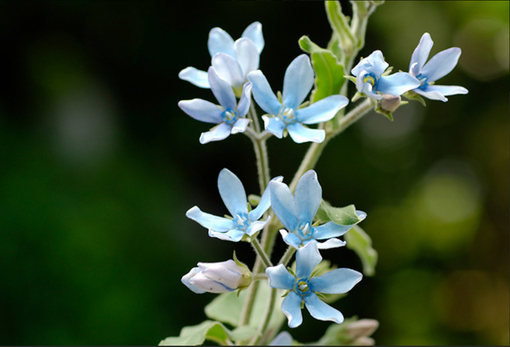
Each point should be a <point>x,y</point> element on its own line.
<point>308,46</point>
<point>359,241</point>
<point>227,307</point>
<point>329,73</point>
<point>340,215</point>
<point>340,25</point>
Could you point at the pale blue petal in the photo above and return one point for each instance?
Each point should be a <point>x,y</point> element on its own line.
<point>337,281</point>
<point>307,197</point>
<point>298,82</point>
<point>282,339</point>
<point>220,42</point>
<point>291,239</point>
<point>444,90</point>
<point>186,280</point>
<point>240,125</point>
<point>441,64</point>
<point>210,221</point>
<point>291,307</point>
<point>331,243</point>
<point>232,193</point>
<point>233,235</point>
<point>274,125</point>
<point>331,229</point>
<point>263,94</point>
<point>322,311</point>
<point>247,55</point>
<point>283,205</point>
<point>228,68</point>
<point>254,33</point>
<point>222,90</point>
<point>307,258</point>
<point>244,103</point>
<point>420,54</point>
<point>431,94</point>
<point>218,133</point>
<point>397,84</point>
<point>299,133</point>
<point>280,277</point>
<point>374,63</point>
<point>256,226</point>
<point>202,110</point>
<point>322,110</point>
<point>195,76</point>
<point>264,203</point>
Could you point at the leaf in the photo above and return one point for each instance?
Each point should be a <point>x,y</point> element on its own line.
<point>359,241</point>
<point>329,73</point>
<point>340,25</point>
<point>209,330</point>
<point>308,46</point>
<point>227,307</point>
<point>340,215</point>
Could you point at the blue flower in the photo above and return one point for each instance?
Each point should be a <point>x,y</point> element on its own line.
<point>303,287</point>
<point>438,66</point>
<point>230,116</point>
<point>297,83</point>
<point>244,222</point>
<point>371,82</point>
<point>297,212</point>
<point>233,60</point>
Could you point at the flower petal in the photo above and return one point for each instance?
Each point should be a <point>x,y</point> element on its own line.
<point>337,281</point>
<point>374,63</point>
<point>217,133</point>
<point>186,280</point>
<point>322,110</point>
<point>247,55</point>
<point>202,110</point>
<point>263,94</point>
<point>254,33</point>
<point>299,133</point>
<point>264,202</point>
<point>220,42</point>
<point>274,125</point>
<point>291,307</point>
<point>283,204</point>
<point>291,239</point>
<point>331,243</point>
<point>307,197</point>
<point>298,81</point>
<point>232,193</point>
<point>256,226</point>
<point>322,311</point>
<point>228,68</point>
<point>437,92</point>
<point>307,258</point>
<point>420,54</point>
<point>397,84</point>
<point>282,339</point>
<point>280,277</point>
<point>195,76</point>
<point>331,229</point>
<point>441,64</point>
<point>233,235</point>
<point>244,103</point>
<point>240,125</point>
<point>221,90</point>
<point>209,221</point>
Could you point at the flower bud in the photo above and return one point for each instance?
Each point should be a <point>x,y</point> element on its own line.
<point>362,328</point>
<point>219,277</point>
<point>389,103</point>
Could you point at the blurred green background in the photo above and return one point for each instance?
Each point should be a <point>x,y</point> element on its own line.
<point>99,165</point>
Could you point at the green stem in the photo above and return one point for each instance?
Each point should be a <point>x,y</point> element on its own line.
<point>260,252</point>
<point>287,256</point>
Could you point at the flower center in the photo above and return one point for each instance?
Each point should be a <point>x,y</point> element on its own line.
<point>287,116</point>
<point>242,221</point>
<point>370,78</point>
<point>423,80</point>
<point>229,116</point>
<point>305,231</point>
<point>302,287</point>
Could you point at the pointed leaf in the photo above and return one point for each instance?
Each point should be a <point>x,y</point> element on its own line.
<point>197,334</point>
<point>340,215</point>
<point>329,75</point>
<point>340,25</point>
<point>359,241</point>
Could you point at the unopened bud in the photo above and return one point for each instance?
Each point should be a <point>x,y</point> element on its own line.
<point>362,327</point>
<point>389,103</point>
<point>221,277</point>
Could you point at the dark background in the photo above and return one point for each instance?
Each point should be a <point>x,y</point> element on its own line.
<point>99,166</point>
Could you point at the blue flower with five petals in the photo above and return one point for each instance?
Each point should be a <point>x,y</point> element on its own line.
<point>371,82</point>
<point>230,116</point>
<point>303,287</point>
<point>438,66</point>
<point>233,60</point>
<point>297,213</point>
<point>297,83</point>
<point>244,222</point>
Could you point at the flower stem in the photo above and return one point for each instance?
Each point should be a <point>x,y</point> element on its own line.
<point>287,256</point>
<point>260,252</point>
